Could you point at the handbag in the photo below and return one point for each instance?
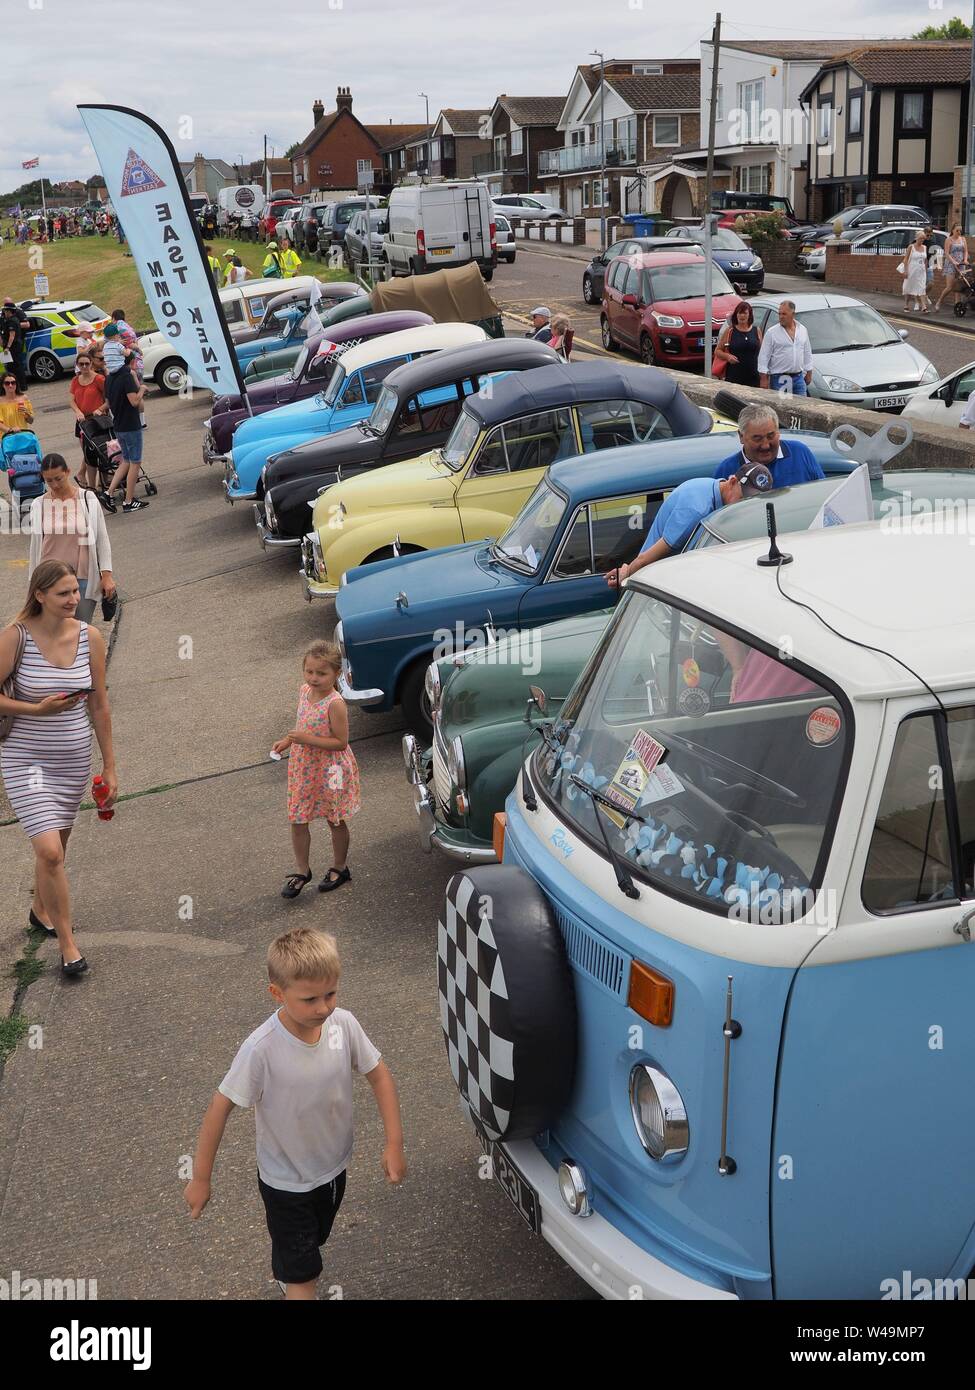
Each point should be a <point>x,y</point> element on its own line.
<point>718,366</point>
<point>900,269</point>
<point>9,687</point>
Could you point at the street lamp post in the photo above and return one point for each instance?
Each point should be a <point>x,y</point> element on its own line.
<point>427,101</point>
<point>602,146</point>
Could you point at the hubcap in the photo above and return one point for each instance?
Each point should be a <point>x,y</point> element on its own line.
<point>175,378</point>
<point>44,369</point>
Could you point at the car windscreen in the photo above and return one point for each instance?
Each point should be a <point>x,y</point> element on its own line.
<point>524,544</point>
<point>687,281</point>
<point>837,329</point>
<point>383,411</point>
<point>462,439</point>
<point>724,239</point>
<point>716,766</point>
<point>333,390</point>
<point>89,313</point>
<point>344,213</point>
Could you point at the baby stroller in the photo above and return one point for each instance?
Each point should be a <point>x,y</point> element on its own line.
<point>104,453</point>
<point>965,287</point>
<point>21,453</point>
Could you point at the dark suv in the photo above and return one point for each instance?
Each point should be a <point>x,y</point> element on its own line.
<point>335,222</point>
<point>858,219</point>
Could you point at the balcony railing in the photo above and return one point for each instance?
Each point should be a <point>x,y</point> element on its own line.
<point>490,163</point>
<point>571,158</point>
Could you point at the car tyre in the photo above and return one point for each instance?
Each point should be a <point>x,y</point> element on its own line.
<point>588,289</point>
<point>45,366</point>
<point>648,355</point>
<point>609,342</point>
<point>170,376</point>
<point>488,274</point>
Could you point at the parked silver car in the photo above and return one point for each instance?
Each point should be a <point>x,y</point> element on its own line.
<point>887,241</point>
<point>505,238</point>
<point>858,358</point>
<point>364,236</point>
<point>525,206</point>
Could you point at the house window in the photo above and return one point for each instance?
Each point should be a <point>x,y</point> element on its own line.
<point>626,137</point>
<point>666,130</point>
<point>824,124</point>
<point>647,69</point>
<point>585,193</point>
<point>751,99</point>
<point>912,111</point>
<point>499,148</point>
<point>435,150</point>
<point>719,104</point>
<point>752,179</point>
<point>516,140</point>
<point>578,137</point>
<point>854,117</point>
<point>402,159</point>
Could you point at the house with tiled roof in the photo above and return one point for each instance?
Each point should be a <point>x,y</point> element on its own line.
<point>405,152</point>
<point>203,175</point>
<point>888,124</point>
<point>640,110</point>
<point>520,130</point>
<point>336,150</point>
<point>457,138</point>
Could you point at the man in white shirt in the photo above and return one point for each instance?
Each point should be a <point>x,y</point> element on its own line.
<point>785,357</point>
<point>967,420</point>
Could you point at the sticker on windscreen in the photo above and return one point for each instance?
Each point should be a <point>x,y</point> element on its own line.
<point>693,701</point>
<point>823,726</point>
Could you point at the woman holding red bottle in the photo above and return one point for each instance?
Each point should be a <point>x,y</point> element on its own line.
<point>56,664</point>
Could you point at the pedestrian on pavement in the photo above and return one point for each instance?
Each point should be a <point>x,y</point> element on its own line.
<point>541,328</point>
<point>213,265</point>
<point>916,275</point>
<point>14,327</point>
<point>562,335</point>
<point>88,402</point>
<point>272,268</point>
<point>683,510</point>
<point>290,264</point>
<point>323,776</point>
<point>56,663</point>
<point>739,343</point>
<point>125,396</point>
<point>956,259</point>
<point>758,432</point>
<point>785,356</point>
<point>67,523</point>
<point>16,411</point>
<point>296,1071</point>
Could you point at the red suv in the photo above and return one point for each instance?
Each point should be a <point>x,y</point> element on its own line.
<point>273,214</point>
<point>654,305</point>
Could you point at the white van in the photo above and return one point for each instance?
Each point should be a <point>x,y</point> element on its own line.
<point>435,225</point>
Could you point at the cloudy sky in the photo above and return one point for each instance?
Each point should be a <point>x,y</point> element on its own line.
<point>247,68</point>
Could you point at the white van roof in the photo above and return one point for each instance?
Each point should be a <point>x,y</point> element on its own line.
<point>898,584</point>
<point>431,337</point>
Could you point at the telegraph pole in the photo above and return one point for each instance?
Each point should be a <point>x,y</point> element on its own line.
<point>708,195</point>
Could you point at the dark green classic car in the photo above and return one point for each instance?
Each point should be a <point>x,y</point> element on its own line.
<point>485,720</point>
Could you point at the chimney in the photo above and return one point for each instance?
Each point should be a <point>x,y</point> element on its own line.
<point>199,174</point>
<point>343,99</point>
<point>317,110</point>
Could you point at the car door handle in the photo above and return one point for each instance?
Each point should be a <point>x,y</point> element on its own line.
<point>963,927</point>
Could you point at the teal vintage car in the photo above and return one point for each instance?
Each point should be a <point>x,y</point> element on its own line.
<point>484,712</point>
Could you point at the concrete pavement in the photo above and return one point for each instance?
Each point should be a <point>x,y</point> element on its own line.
<point>177,899</point>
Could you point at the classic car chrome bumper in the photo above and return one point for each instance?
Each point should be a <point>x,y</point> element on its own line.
<point>210,455</point>
<point>430,830</point>
<point>312,565</point>
<point>268,538</point>
<point>312,589</point>
<point>358,697</point>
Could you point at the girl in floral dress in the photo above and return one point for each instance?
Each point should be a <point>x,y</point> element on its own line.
<point>323,777</point>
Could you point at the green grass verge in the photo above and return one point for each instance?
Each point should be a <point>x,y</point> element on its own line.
<point>99,269</point>
<point>12,1029</point>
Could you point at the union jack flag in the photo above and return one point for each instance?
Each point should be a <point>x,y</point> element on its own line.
<point>30,163</point>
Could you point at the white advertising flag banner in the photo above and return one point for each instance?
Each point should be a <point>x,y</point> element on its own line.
<point>150,199</point>
<point>851,502</point>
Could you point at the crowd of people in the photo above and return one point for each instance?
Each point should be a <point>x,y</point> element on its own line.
<point>57,226</point>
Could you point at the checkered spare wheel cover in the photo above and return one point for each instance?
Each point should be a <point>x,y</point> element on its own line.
<point>507,1004</point>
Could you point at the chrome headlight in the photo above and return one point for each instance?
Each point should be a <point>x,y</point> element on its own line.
<point>264,478</point>
<point>339,640</point>
<point>840,383</point>
<point>318,559</point>
<point>658,1113</point>
<point>668,320</point>
<point>269,516</point>
<point>455,763</point>
<point>431,686</point>
<point>929,374</point>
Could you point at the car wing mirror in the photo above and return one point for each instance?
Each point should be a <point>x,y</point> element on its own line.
<point>902,332</point>
<point>537,699</point>
<point>630,299</point>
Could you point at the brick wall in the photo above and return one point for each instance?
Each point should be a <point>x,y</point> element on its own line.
<point>876,273</point>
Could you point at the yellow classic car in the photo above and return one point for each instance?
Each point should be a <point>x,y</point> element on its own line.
<point>504,439</point>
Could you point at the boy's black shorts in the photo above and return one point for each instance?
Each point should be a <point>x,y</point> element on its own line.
<point>299,1224</point>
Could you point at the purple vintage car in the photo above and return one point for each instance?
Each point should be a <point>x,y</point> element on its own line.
<point>307,377</point>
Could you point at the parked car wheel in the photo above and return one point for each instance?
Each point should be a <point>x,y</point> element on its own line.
<point>588,289</point>
<point>171,376</point>
<point>45,366</point>
<point>489,273</point>
<point>609,342</point>
<point>415,703</point>
<point>647,353</point>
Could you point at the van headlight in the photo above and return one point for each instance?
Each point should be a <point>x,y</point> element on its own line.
<point>455,763</point>
<point>431,686</point>
<point>658,1113</point>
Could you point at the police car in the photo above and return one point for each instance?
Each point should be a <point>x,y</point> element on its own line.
<point>50,348</point>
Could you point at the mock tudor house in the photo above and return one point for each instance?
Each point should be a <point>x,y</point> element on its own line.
<point>888,124</point>
<point>646,108</point>
<point>337,151</point>
<point>520,129</point>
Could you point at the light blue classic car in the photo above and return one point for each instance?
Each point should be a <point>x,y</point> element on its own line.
<point>349,397</point>
<point>588,515</point>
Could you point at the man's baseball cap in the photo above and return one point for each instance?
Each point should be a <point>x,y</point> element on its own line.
<point>272,246</point>
<point>755,479</point>
<point>231,252</point>
<point>541,312</point>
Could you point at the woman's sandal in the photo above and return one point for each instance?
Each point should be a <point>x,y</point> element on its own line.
<point>73,967</point>
<point>328,882</point>
<point>294,884</point>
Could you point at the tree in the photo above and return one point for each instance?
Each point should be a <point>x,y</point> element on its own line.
<point>291,149</point>
<point>954,29</point>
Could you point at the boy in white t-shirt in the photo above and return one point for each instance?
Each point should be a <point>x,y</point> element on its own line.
<point>296,1070</point>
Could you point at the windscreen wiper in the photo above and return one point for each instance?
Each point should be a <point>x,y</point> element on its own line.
<point>623,878</point>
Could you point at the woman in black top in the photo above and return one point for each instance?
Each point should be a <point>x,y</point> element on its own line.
<point>738,345</point>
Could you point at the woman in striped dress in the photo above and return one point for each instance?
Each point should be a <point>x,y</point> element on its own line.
<point>46,758</point>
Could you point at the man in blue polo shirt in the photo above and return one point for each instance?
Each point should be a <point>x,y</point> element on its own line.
<point>758,431</point>
<point>680,514</point>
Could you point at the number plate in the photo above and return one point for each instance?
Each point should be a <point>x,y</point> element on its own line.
<point>520,1194</point>
<point>441,250</point>
<point>887,402</point>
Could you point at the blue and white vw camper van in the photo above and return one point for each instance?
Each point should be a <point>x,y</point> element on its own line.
<point>712,1014</point>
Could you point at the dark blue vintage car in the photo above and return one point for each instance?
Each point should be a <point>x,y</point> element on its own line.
<point>587,516</point>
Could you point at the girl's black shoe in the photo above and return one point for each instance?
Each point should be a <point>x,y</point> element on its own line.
<point>328,882</point>
<point>72,968</point>
<point>294,884</point>
<point>38,925</point>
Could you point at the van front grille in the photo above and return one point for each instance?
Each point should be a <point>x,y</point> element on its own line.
<point>592,955</point>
